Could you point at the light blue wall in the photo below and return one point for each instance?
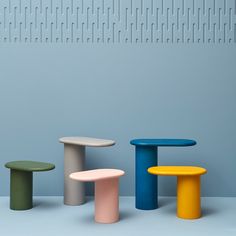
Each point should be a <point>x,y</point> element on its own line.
<point>121,91</point>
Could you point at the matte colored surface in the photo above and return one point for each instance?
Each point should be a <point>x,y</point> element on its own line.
<point>163,142</point>
<point>107,200</point>
<point>177,170</point>
<point>218,219</point>
<point>119,92</point>
<point>74,160</point>
<point>87,141</point>
<point>188,197</point>
<point>29,166</point>
<point>188,188</point>
<point>106,192</point>
<point>118,21</point>
<point>21,182</point>
<point>146,190</point>
<point>97,174</point>
<point>21,190</point>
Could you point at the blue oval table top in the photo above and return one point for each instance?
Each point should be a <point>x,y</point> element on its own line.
<point>163,142</point>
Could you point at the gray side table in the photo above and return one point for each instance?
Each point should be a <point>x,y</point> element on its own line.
<point>74,161</point>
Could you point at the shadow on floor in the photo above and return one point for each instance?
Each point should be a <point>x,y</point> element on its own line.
<point>52,204</point>
<point>89,219</point>
<point>164,201</point>
<point>206,211</point>
<point>89,199</point>
<point>124,215</point>
<point>170,207</point>
<point>46,204</point>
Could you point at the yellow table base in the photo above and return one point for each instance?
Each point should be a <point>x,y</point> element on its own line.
<point>188,197</point>
<point>188,188</point>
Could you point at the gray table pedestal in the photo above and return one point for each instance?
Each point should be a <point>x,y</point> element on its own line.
<point>74,161</point>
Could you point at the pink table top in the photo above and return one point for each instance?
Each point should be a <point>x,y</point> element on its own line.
<point>97,174</point>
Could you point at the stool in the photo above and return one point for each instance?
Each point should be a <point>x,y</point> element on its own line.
<point>106,192</point>
<point>146,155</point>
<point>188,188</point>
<point>74,160</point>
<point>21,182</point>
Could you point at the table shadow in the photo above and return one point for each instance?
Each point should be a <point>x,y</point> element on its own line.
<point>208,211</point>
<point>44,204</point>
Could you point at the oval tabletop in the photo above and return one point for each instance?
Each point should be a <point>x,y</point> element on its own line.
<point>163,142</point>
<point>86,141</point>
<point>97,174</point>
<point>177,170</point>
<point>29,166</point>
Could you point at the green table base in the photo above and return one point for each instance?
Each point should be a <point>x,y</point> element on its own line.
<point>21,190</point>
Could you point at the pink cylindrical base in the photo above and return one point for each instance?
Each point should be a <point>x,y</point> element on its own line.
<point>107,200</point>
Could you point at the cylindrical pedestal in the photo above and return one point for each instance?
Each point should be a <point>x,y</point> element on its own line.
<point>74,161</point>
<point>145,183</point>
<point>21,194</point>
<point>188,197</point>
<point>107,200</point>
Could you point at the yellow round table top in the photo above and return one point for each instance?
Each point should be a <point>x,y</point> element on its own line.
<point>177,170</point>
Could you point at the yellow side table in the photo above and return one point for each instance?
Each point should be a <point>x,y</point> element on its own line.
<point>188,188</point>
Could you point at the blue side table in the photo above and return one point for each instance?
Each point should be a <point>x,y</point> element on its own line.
<point>145,157</point>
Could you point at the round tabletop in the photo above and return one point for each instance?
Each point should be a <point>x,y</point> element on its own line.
<point>163,142</point>
<point>29,166</point>
<point>176,170</point>
<point>97,174</point>
<point>86,141</point>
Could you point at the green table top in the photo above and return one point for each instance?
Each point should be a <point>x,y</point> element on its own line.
<point>29,166</point>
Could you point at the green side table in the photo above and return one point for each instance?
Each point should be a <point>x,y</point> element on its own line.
<point>21,182</point>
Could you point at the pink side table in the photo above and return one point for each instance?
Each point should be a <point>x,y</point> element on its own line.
<point>106,192</point>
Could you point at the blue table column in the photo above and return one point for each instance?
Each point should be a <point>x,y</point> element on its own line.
<point>146,156</point>
<point>145,184</point>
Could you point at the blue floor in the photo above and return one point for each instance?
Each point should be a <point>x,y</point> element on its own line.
<point>51,217</point>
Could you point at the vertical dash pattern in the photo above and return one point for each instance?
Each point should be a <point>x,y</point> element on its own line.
<point>118,21</point>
